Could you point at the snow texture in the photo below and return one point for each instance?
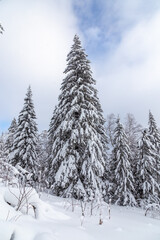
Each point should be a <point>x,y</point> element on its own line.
<point>58,222</point>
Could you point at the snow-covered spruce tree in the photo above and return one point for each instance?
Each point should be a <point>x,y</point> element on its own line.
<point>155,139</point>
<point>122,190</point>
<point>42,156</point>
<point>8,174</point>
<point>10,136</point>
<point>78,134</point>
<point>52,128</point>
<point>133,131</point>
<point>25,142</point>
<point>147,186</point>
<point>154,132</point>
<point>3,155</point>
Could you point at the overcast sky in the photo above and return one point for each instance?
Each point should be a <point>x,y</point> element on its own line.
<point>121,38</point>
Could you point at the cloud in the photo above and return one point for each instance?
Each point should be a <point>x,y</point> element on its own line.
<point>38,35</point>
<point>129,78</point>
<point>121,38</point>
<point>104,23</point>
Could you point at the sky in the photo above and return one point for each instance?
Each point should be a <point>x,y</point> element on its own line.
<point>121,38</point>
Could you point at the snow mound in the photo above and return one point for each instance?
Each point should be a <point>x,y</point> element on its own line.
<point>25,200</point>
<point>6,230</point>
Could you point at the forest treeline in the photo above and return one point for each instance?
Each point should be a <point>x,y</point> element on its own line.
<point>82,155</point>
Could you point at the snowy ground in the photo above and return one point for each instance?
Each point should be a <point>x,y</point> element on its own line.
<point>56,221</point>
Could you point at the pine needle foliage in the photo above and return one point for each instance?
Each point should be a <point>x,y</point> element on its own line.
<point>25,143</point>
<point>122,190</point>
<point>78,137</point>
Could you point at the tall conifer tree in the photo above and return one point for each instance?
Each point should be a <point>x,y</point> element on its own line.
<point>78,151</point>
<point>147,185</point>
<point>122,180</point>
<point>25,143</point>
<point>155,139</point>
<point>154,132</point>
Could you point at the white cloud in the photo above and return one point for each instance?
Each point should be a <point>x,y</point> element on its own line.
<point>130,76</point>
<point>38,35</point>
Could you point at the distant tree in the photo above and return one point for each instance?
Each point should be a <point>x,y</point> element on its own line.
<point>25,143</point>
<point>155,139</point>
<point>110,126</point>
<point>133,131</point>
<point>10,137</point>
<point>8,174</point>
<point>78,137</point>
<point>147,186</point>
<point>52,129</point>
<point>154,132</point>
<point>42,156</point>
<point>122,189</point>
<point>3,155</point>
<point>42,146</point>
